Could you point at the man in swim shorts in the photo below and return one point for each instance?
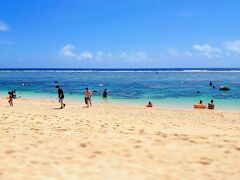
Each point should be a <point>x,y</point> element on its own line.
<point>88,95</point>
<point>60,96</point>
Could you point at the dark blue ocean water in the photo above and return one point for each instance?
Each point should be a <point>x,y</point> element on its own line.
<point>176,87</point>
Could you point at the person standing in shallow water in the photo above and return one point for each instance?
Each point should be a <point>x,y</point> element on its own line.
<point>105,93</point>
<point>60,96</point>
<point>88,95</point>
<point>211,105</point>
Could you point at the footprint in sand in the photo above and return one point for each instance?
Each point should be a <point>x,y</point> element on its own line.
<point>83,145</point>
<point>61,129</point>
<point>131,128</point>
<point>237,148</point>
<point>204,161</point>
<point>116,124</point>
<point>38,122</point>
<point>192,141</point>
<point>158,133</point>
<point>10,151</point>
<point>97,152</point>
<point>164,135</point>
<point>35,129</point>
<point>226,152</point>
<point>137,146</point>
<point>69,158</point>
<point>157,140</point>
<point>33,162</point>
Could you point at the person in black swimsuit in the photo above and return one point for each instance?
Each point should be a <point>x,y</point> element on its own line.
<point>60,96</point>
<point>105,93</point>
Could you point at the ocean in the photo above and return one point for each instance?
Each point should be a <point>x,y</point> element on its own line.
<point>181,87</point>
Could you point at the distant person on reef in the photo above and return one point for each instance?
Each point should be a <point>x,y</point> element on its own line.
<point>149,104</point>
<point>10,97</point>
<point>88,95</point>
<point>105,93</point>
<point>211,105</point>
<point>210,83</point>
<point>60,96</point>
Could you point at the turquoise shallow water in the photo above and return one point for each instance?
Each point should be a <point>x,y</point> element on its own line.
<point>165,88</point>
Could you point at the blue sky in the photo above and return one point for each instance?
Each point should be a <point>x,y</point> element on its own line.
<point>119,34</point>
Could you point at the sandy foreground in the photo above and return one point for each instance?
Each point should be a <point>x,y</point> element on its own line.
<point>108,141</point>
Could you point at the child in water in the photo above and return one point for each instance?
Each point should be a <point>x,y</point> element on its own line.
<point>10,97</point>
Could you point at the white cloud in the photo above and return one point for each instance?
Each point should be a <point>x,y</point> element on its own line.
<point>196,51</point>
<point>173,53</point>
<point>207,50</point>
<point>68,52</point>
<point>85,55</point>
<point>233,46</point>
<point>134,56</point>
<point>3,26</point>
<point>188,54</point>
<point>100,55</point>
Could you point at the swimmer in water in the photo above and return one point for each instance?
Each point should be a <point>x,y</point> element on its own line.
<point>105,93</point>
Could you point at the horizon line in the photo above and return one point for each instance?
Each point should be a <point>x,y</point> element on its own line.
<point>56,68</point>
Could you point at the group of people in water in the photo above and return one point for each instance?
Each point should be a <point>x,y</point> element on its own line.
<point>88,98</point>
<point>200,105</point>
<point>211,84</point>
<point>221,88</point>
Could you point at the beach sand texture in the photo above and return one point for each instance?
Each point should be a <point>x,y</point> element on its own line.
<point>116,142</point>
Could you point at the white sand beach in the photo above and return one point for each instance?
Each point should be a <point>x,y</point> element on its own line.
<point>110,141</point>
